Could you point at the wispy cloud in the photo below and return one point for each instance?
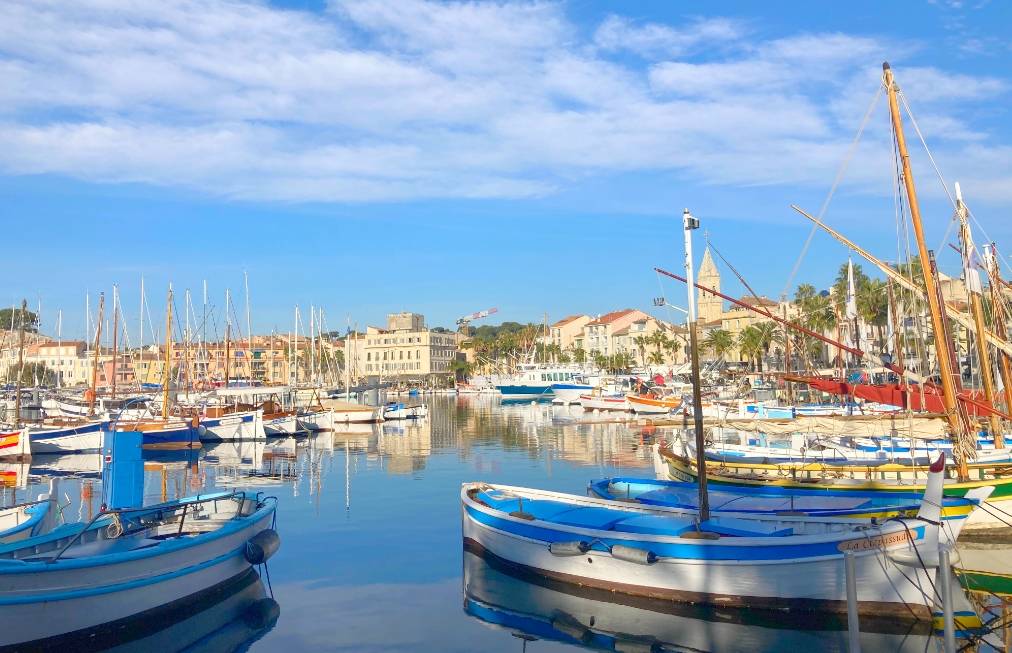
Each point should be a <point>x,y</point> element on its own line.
<point>379,101</point>
<point>617,33</point>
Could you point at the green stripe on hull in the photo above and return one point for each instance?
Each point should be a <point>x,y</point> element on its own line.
<point>980,581</point>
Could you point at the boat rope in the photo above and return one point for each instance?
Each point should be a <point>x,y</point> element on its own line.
<point>917,552</point>
<point>881,558</point>
<point>841,171</point>
<point>992,509</point>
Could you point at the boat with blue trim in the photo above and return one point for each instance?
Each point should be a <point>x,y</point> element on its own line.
<point>78,437</point>
<point>773,500</point>
<point>728,560</point>
<point>128,561</point>
<point>534,382</point>
<point>881,476</point>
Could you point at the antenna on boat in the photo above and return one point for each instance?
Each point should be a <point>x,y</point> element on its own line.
<point>690,223</point>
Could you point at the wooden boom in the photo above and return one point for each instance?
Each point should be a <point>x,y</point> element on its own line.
<point>762,311</point>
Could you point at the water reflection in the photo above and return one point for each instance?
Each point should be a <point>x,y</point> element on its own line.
<point>369,517</point>
<point>531,608</point>
<point>228,618</point>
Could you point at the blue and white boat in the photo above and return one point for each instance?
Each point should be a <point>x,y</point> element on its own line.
<point>773,500</point>
<point>129,561</point>
<point>74,438</point>
<point>534,382</point>
<point>397,410</point>
<point>244,425</point>
<point>729,560</point>
<point>30,519</point>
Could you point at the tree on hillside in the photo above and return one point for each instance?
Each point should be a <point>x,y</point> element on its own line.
<point>12,318</point>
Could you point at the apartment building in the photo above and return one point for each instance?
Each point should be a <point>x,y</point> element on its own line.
<point>406,348</point>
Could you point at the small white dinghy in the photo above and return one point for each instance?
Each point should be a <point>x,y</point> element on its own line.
<point>127,561</point>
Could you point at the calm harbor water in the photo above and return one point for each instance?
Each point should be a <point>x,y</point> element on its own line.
<point>371,556</point>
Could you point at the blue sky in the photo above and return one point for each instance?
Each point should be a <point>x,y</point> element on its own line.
<point>370,156</point>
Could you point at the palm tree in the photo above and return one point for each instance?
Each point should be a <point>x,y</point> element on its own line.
<point>768,334</point>
<point>656,358</point>
<point>719,341</point>
<point>751,346</point>
<point>641,343</point>
<point>461,369</point>
<point>579,354</point>
<point>873,306</point>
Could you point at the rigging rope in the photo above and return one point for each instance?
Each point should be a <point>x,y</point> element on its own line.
<point>832,190</point>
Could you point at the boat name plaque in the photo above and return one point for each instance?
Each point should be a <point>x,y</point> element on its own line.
<point>878,542</point>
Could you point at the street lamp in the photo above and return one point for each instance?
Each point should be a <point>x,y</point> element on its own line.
<point>690,224</point>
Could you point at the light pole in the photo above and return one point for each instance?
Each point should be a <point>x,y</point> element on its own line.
<point>689,223</point>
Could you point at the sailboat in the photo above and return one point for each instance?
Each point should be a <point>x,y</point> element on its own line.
<point>167,431</point>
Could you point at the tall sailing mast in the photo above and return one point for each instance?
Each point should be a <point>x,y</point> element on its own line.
<point>961,448</point>
<point>92,393</point>
<point>21,363</point>
<point>999,319</point>
<point>167,371</point>
<point>115,335</point>
<point>975,290</point>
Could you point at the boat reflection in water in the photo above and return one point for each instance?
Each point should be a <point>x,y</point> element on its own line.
<point>533,608</point>
<point>226,618</point>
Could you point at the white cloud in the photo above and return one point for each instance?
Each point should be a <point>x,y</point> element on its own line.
<point>656,40</point>
<point>376,100</point>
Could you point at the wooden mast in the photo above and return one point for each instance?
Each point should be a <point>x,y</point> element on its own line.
<point>998,319</point>
<point>115,334</point>
<point>937,324</point>
<point>228,337</point>
<point>93,393</point>
<point>228,353</point>
<point>21,364</point>
<point>995,339</point>
<point>975,290</point>
<point>167,371</point>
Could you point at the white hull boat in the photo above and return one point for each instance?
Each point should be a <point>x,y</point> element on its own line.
<point>247,425</point>
<point>605,402</point>
<point>747,561</point>
<point>66,439</point>
<point>281,426</point>
<point>317,420</point>
<point>127,562</point>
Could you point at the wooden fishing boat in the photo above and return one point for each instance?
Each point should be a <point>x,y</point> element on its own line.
<point>346,412</point>
<point>76,437</point>
<point>753,561</point>
<point>774,500</point>
<point>127,561</point>
<point>215,426</point>
<point>995,512</point>
<point>654,403</point>
<point>598,400</point>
